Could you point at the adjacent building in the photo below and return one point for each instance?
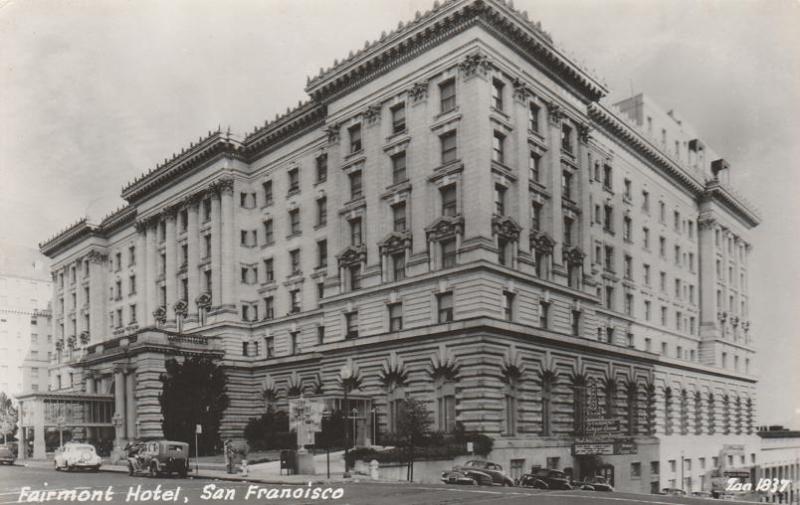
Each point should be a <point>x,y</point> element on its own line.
<point>455,215</point>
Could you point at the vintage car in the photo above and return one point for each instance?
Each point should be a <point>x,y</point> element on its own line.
<point>478,472</point>
<point>596,483</point>
<point>673,491</point>
<point>77,456</point>
<point>7,455</point>
<point>158,457</point>
<point>553,479</point>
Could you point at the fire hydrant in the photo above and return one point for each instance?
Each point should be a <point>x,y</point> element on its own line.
<point>244,468</point>
<point>373,469</point>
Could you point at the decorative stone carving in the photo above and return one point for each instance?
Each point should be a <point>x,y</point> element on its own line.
<point>269,391</point>
<point>372,114</point>
<point>418,91</point>
<point>160,315</point>
<point>722,317</point>
<point>294,385</point>
<point>222,185</point>
<point>584,132</point>
<point>94,256</point>
<point>521,92</point>
<point>706,223</point>
<point>746,326</point>
<point>333,133</point>
<point>573,256</point>
<point>394,242</point>
<point>181,308</point>
<point>445,227</point>
<point>735,321</point>
<point>555,113</point>
<point>60,345</point>
<point>512,367</point>
<point>84,337</point>
<point>316,385</point>
<point>71,342</point>
<point>352,255</point>
<point>476,63</point>
<point>349,378</point>
<point>444,366</point>
<point>506,227</point>
<point>203,301</point>
<point>542,242</point>
<point>394,373</point>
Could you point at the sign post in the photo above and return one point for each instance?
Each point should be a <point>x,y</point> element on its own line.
<point>197,431</point>
<point>61,422</point>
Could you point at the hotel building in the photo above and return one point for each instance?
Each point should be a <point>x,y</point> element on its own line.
<point>455,215</point>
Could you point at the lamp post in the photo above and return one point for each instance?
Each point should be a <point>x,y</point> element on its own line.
<point>349,379</point>
<point>374,426</point>
<point>682,479</point>
<point>354,414</point>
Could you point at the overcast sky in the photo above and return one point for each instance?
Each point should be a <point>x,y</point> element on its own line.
<point>92,93</point>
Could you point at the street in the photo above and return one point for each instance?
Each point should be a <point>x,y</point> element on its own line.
<point>21,484</point>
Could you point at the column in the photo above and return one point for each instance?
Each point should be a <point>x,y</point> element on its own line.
<point>142,274</point>
<point>172,267</point>
<point>39,450</point>
<point>228,252</point>
<point>79,299</point>
<point>130,403</point>
<point>98,297</point>
<point>552,162</point>
<point>151,267</point>
<point>88,382</point>
<point>119,404</point>
<point>192,273</point>
<point>216,245</point>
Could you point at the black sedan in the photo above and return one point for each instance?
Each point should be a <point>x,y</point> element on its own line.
<point>480,472</point>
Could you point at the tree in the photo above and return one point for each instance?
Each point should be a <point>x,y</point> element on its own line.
<point>413,424</point>
<point>270,431</point>
<point>8,417</point>
<point>193,392</point>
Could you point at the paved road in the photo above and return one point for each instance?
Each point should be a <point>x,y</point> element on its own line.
<point>121,488</point>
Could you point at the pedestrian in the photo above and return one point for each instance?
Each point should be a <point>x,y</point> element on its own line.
<point>229,456</point>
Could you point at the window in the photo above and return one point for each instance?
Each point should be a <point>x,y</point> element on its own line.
<point>448,253</point>
<point>399,266</point>
<point>575,322</point>
<point>320,291</point>
<point>636,470</point>
<point>267,188</point>
<point>662,212</point>
<point>607,177</point>
<point>269,237</point>
<point>184,254</point>
<point>627,225</point>
<point>447,95</point>
<point>646,201</point>
<point>544,314</point>
<point>356,237</point>
<point>662,247</point>
<point>206,210</point>
<point>320,335</point>
<point>208,282</point>
<point>568,226</point>
<point>294,262</point>
<point>322,211</point>
<point>566,185</point>
<point>355,277</point>
<point>448,147</point>
<point>399,217</point>
<point>628,267</point>
<point>508,305</point>
<point>294,222</point>
<point>398,118</point>
<point>294,180</point>
<point>678,255</point>
<point>677,221</point>
<point>322,167</point>
<point>610,297</point>
<point>533,117</point>
<point>132,285</point>
<point>629,304</point>
<point>444,307</point>
<point>627,195</point>
<point>647,275</point>
<point>206,246</point>
<point>536,216</point>
<point>118,257</point>
<point>355,138</point>
<point>498,147</point>
<point>646,237</point>
<point>449,203</point>
<point>356,188</point>
<point>533,167</point>
<point>497,94</point>
<point>322,254</point>
<point>566,138</point>
<point>269,309</point>
<point>294,301</point>
<point>499,200</point>
<point>662,281</point>
<point>293,347</point>
<point>399,168</point>
<point>608,218</point>
<point>269,346</point>
<point>609,257</point>
<point>245,345</point>
<point>351,324</point>
<point>663,316</point>
<point>395,317</point>
<point>269,270</point>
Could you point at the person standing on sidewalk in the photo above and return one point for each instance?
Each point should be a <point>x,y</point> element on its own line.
<point>229,463</point>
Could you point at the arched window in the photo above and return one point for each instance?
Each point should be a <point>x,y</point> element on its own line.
<point>511,408</point>
<point>667,411</point>
<point>712,415</point>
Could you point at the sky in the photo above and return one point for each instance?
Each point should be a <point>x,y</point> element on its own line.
<point>93,93</point>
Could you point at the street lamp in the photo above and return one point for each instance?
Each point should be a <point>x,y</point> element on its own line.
<point>349,380</point>
<point>374,423</point>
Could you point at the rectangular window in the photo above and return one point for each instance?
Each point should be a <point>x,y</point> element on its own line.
<point>355,277</point>
<point>294,180</point>
<point>610,297</point>
<point>399,168</point>
<point>533,117</point>
<point>646,201</point>
<point>294,262</point>
<point>663,316</point>
<point>609,257</point>
<point>322,254</point>
<point>449,201</point>
<point>355,138</point>
<point>568,232</point>
<point>608,218</point>
<point>607,177</point>
<point>575,322</point>
<point>662,212</point>
<point>662,247</point>
<point>294,221</point>
<point>448,253</point>
<point>269,237</point>
<point>497,94</point>
<point>498,147</point>
<point>399,266</point>
<point>294,301</point>
<point>207,210</point>
<point>629,304</point>
<point>533,167</point>
<point>206,246</point>
<point>627,195</point>
<point>395,317</point>
<point>320,335</point>
<point>444,307</point>
<point>536,216</point>
<point>356,236</point>
<point>399,217</point>
<point>508,305</point>
<point>544,314</point>
<point>351,324</point>
<point>398,118</point>
<point>322,211</point>
<point>646,275</point>
<point>320,291</point>
<point>269,270</point>
<point>293,347</point>
<point>448,147</point>
<point>566,185</point>
<point>447,95</point>
<point>627,225</point>
<point>356,187</point>
<point>269,346</point>
<point>322,167</point>
<point>267,187</point>
<point>269,308</point>
<point>566,138</point>
<point>628,267</point>
<point>646,237</point>
<point>499,200</point>
<point>647,312</point>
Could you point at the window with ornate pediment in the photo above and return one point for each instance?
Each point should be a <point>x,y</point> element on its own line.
<point>542,245</point>
<point>506,233</point>
<point>394,248</point>
<point>351,262</point>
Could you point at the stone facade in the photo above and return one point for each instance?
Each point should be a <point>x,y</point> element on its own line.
<point>457,216</point>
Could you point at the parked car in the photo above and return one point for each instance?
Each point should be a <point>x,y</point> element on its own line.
<point>553,478</point>
<point>77,456</point>
<point>599,483</point>
<point>158,457</point>
<point>673,491</point>
<point>484,473</point>
<point>7,456</point>
<point>701,494</point>
<point>530,480</point>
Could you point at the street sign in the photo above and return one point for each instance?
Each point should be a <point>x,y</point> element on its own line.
<point>198,429</point>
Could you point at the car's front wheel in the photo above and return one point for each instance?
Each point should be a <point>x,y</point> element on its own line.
<point>130,468</point>
<point>153,470</point>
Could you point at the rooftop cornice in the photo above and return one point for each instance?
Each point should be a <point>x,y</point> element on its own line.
<point>294,121</point>
<point>79,229</point>
<point>213,145</point>
<point>437,25</point>
<point>716,190</point>
<point>619,128</point>
<point>120,217</point>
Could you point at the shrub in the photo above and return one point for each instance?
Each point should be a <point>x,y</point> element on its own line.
<point>270,431</point>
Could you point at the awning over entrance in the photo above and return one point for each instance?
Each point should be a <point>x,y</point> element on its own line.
<point>47,419</point>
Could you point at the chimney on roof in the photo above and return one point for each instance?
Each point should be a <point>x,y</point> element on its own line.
<point>720,170</point>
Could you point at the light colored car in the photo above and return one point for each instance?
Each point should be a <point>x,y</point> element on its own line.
<point>74,456</point>
<point>6,455</point>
